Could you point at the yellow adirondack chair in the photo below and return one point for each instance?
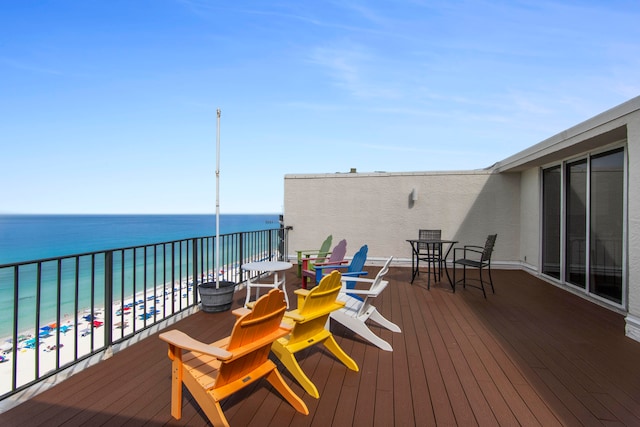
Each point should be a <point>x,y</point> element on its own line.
<point>213,372</point>
<point>314,307</point>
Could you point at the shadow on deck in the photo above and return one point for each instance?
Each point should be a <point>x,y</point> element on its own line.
<point>531,354</point>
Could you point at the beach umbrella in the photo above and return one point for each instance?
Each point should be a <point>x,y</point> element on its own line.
<point>30,343</point>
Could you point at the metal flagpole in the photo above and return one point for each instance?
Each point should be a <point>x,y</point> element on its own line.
<point>217,262</point>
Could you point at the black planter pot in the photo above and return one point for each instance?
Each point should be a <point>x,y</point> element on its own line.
<point>216,297</point>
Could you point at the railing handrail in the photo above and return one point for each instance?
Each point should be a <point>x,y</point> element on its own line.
<point>124,248</point>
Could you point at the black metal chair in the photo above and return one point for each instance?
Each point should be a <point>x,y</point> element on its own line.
<point>475,257</point>
<point>431,253</point>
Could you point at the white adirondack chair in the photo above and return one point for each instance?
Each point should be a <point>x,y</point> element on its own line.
<point>356,312</point>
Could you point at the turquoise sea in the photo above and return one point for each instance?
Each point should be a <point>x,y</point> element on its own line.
<point>33,237</point>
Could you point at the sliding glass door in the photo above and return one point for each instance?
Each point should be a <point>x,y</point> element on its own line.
<point>551,209</point>
<point>606,218</point>
<point>583,205</point>
<point>576,202</point>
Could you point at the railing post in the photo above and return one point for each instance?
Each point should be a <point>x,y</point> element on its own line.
<point>108,297</point>
<point>14,350</point>
<point>240,258</point>
<point>281,234</point>
<point>197,276</point>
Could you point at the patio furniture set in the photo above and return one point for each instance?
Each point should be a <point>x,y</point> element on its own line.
<point>429,247</point>
<point>212,372</point>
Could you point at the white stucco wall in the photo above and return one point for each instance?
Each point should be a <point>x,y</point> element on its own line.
<point>375,209</point>
<point>530,222</point>
<point>633,153</point>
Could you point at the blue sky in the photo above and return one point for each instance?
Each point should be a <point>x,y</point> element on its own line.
<point>110,106</point>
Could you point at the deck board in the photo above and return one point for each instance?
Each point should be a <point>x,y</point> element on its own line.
<point>531,354</point>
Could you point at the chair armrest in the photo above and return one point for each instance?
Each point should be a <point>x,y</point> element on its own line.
<point>354,273</point>
<point>357,279</point>
<point>473,250</point>
<point>181,340</point>
<point>336,305</point>
<point>363,292</point>
<point>239,312</point>
<point>309,253</point>
<point>469,248</point>
<point>344,261</point>
<point>304,262</point>
<point>320,266</point>
<point>302,292</point>
<point>294,315</point>
<point>313,258</point>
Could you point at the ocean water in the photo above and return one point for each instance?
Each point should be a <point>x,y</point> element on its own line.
<point>34,237</point>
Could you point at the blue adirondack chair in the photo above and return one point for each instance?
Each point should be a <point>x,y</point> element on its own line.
<point>353,269</point>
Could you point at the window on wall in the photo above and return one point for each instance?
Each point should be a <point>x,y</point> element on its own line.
<point>582,231</point>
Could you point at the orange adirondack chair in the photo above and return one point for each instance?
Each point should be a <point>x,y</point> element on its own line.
<point>314,307</point>
<point>213,372</point>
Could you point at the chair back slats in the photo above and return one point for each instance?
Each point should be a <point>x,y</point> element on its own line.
<point>322,254</point>
<point>322,295</point>
<point>488,247</point>
<point>359,259</point>
<point>336,257</point>
<point>261,322</point>
<point>324,248</point>
<point>425,234</point>
<point>357,265</point>
<point>316,308</point>
<point>338,252</point>
<point>377,281</point>
<point>264,318</point>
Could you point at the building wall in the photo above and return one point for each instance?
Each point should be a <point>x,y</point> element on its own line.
<point>531,223</point>
<point>633,153</point>
<point>377,209</point>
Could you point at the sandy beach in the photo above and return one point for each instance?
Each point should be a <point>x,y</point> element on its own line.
<point>88,331</point>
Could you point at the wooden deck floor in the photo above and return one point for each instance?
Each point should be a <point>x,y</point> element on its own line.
<point>531,354</point>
